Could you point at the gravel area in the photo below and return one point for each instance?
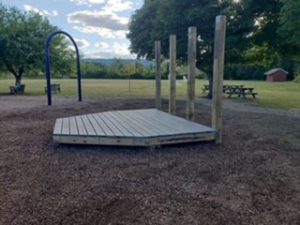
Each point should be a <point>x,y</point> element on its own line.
<point>253,178</point>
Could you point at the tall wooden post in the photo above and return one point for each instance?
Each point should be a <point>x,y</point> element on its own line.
<point>218,72</point>
<point>192,36</point>
<point>172,100</point>
<point>158,74</point>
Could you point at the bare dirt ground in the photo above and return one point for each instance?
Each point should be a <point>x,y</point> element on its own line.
<point>253,178</point>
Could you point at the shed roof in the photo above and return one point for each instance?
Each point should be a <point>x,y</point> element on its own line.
<point>270,72</point>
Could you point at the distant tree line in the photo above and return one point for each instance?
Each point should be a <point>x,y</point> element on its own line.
<point>122,69</point>
<point>118,69</point>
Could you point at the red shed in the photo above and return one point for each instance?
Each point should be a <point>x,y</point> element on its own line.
<point>276,75</point>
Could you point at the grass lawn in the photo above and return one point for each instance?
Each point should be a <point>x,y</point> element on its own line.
<point>284,95</point>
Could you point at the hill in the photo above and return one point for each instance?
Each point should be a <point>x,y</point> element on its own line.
<point>109,62</point>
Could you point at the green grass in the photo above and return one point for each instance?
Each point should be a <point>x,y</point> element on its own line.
<point>284,95</point>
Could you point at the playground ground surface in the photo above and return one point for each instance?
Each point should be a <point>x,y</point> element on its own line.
<point>253,178</point>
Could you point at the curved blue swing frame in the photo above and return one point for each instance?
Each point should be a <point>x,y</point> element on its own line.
<point>48,65</point>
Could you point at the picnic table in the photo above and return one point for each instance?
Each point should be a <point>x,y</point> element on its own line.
<point>55,88</point>
<point>234,89</point>
<point>241,92</point>
<point>226,87</point>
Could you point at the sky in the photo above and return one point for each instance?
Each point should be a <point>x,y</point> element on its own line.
<point>99,27</point>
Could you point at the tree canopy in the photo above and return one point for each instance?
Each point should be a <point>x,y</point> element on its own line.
<point>22,40</point>
<point>260,34</point>
<point>290,22</point>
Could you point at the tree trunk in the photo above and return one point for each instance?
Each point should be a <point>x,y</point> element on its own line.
<point>18,80</point>
<point>19,76</point>
<point>210,86</point>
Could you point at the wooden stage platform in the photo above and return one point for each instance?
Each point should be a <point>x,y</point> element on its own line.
<point>146,127</point>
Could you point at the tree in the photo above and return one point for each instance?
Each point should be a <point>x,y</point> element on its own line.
<point>22,40</point>
<point>253,38</point>
<point>117,67</point>
<point>290,22</point>
<point>157,19</point>
<point>142,29</point>
<point>289,31</point>
<point>275,34</point>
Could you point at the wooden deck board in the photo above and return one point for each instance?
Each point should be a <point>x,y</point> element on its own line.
<point>130,128</point>
<point>151,126</point>
<point>118,123</point>
<point>88,126</point>
<point>173,122</point>
<point>65,127</point>
<point>81,127</point>
<point>134,124</point>
<point>125,125</point>
<point>110,124</point>
<point>99,126</point>
<point>157,121</point>
<point>58,126</point>
<point>73,126</point>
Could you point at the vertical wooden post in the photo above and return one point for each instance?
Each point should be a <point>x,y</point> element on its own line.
<point>192,36</point>
<point>172,100</point>
<point>158,74</point>
<point>218,72</point>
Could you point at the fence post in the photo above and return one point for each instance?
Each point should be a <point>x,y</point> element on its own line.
<point>172,101</point>
<point>158,74</point>
<point>218,73</point>
<point>192,36</point>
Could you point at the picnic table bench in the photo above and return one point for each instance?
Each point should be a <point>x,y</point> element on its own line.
<point>205,88</point>
<point>55,88</point>
<point>17,89</point>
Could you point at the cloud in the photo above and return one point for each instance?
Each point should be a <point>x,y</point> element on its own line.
<point>111,5</point>
<point>106,55</point>
<point>99,19</point>
<point>121,49</point>
<point>88,2</point>
<point>54,13</point>
<point>42,12</point>
<point>102,45</point>
<point>106,22</point>
<point>116,50</point>
<point>102,32</point>
<point>82,43</point>
<point>118,6</point>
